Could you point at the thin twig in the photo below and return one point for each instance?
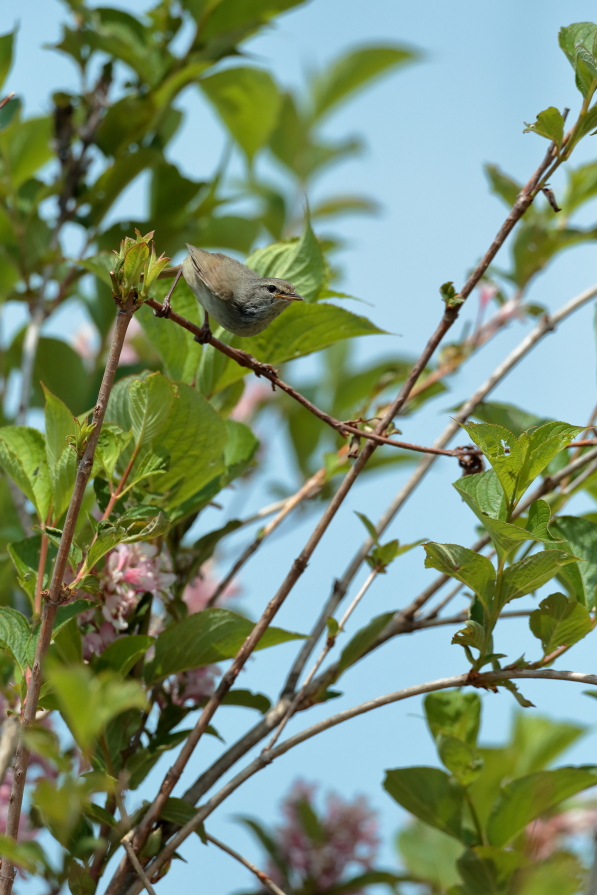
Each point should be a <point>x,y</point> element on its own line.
<point>311,487</point>
<point>58,590</point>
<point>328,645</point>
<point>137,865</point>
<point>546,325</point>
<point>489,680</point>
<point>261,876</point>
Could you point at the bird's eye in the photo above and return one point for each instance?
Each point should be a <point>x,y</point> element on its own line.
<point>272,289</point>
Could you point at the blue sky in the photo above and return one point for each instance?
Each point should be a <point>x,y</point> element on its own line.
<point>430,128</point>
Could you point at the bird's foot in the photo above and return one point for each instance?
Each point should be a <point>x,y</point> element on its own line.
<point>259,368</point>
<point>204,335</point>
<point>164,310</point>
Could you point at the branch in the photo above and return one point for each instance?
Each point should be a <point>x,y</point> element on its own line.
<point>261,876</point>
<point>137,865</point>
<point>546,325</point>
<point>58,590</point>
<point>488,680</point>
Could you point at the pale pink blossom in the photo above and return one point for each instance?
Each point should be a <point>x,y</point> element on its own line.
<point>95,642</point>
<point>191,686</point>
<point>546,835</point>
<point>198,592</point>
<point>130,571</point>
<point>349,837</point>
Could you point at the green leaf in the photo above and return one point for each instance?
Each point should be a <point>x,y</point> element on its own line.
<point>113,181</point>
<point>106,540</point>
<point>488,870</point>
<point>112,442</point>
<point>473,634</point>
<point>429,794</point>
<point>247,100</point>
<point>454,712</point>
<point>299,261</point>
<point>485,491</point>
<point>30,856</point>
<point>302,329</point>
<point>6,45</point>
<point>371,530</point>
<point>205,638</point>
<point>68,644</point>
<point>25,148</point>
<point>194,437</point>
<point>531,573</point>
<point>177,811</point>
<point>559,621</point>
<point>150,401</point>
<point>549,124</point>
<point>527,798</point>
<point>473,569</point>
<point>505,537</point>
<point>88,702</point>
<point>429,854</point>
<point>23,457</point>
<point>462,760</point>
<point>59,424</point>
<point>581,541</point>
<point>509,416</point>
<point>16,638</point>
<point>358,645</point>
<point>545,443</point>
<point>176,347</point>
<point>502,450</point>
<point>25,557</point>
<point>134,262</point>
<point>248,699</point>
<point>355,70</point>
<point>203,548</point>
<point>508,190</point>
<point>157,527</point>
<point>124,653</point>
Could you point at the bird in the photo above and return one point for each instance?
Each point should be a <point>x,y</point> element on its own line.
<point>234,295</point>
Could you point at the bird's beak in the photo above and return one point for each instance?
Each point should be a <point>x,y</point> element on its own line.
<point>289,296</point>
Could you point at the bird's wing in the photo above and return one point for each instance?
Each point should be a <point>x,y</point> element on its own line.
<point>211,268</point>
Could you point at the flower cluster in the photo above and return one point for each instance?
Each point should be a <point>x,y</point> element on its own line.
<point>131,570</point>
<point>347,835</point>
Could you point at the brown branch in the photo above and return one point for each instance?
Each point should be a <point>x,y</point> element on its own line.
<point>137,865</point>
<point>261,876</point>
<point>488,680</point>
<point>58,590</point>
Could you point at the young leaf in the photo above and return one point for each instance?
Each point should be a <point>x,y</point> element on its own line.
<point>473,569</point>
<point>559,621</point>
<point>531,573</point>
<point>473,634</point>
<point>527,798</point>
<point>462,760</point>
<point>543,445</point>
<point>454,712</point>
<point>549,124</point>
<point>371,531</point>
<point>503,451</point>
<point>429,794</point>
<point>16,638</point>
<point>353,71</point>
<point>485,491</point>
<point>358,645</point>
<point>59,424</point>
<point>150,401</point>
<point>204,638</point>
<point>88,702</point>
<point>23,457</point>
<point>581,541</point>
<point>125,652</point>
<point>106,539</point>
<point>247,101</point>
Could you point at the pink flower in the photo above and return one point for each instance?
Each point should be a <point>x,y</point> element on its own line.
<point>95,642</point>
<point>546,834</point>
<point>198,593</point>
<point>191,686</point>
<point>348,837</point>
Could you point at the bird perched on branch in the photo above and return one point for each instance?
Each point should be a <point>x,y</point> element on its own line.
<point>233,294</point>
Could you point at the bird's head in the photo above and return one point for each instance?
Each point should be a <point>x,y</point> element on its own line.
<point>274,289</point>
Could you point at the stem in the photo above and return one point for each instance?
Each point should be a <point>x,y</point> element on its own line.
<point>41,568</point>
<point>475,817</point>
<point>329,644</point>
<point>261,876</point>
<point>58,590</point>
<point>114,497</point>
<point>488,679</point>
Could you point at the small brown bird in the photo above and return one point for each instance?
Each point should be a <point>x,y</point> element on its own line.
<point>233,294</point>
